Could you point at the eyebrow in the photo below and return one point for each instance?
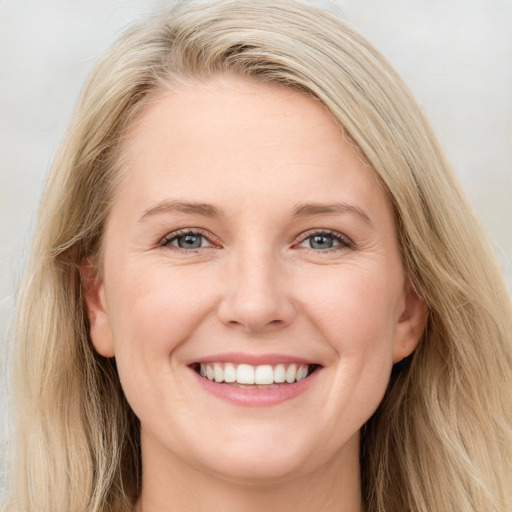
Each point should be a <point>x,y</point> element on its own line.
<point>208,210</point>
<point>311,209</point>
<point>167,206</point>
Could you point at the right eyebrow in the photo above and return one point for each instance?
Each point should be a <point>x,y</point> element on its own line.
<point>169,205</point>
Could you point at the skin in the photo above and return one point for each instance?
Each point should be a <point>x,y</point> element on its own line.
<point>256,285</point>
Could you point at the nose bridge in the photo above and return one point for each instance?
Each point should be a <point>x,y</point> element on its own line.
<point>256,297</point>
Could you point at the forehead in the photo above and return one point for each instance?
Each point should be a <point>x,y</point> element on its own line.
<point>238,133</point>
<point>240,107</point>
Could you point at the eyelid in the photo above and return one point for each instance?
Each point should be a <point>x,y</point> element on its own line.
<point>165,241</point>
<point>345,241</point>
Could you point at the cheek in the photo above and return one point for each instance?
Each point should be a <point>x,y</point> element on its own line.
<point>356,311</point>
<point>356,307</point>
<point>153,311</point>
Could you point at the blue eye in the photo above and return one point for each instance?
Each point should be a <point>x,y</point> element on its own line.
<point>323,241</point>
<point>186,240</point>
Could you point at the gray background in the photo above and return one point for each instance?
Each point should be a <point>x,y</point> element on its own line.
<point>456,55</point>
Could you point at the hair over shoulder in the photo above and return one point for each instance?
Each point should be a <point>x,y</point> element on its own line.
<point>441,439</point>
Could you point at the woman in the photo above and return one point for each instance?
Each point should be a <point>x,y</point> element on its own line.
<point>255,284</point>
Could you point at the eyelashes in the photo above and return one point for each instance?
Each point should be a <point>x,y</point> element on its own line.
<point>324,240</point>
<point>188,240</point>
<point>316,241</point>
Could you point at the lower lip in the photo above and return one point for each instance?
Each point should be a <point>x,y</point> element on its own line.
<point>256,397</point>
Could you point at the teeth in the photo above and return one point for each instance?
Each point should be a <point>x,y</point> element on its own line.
<point>301,373</point>
<point>279,373</point>
<point>291,373</point>
<point>218,372</point>
<point>245,374</point>
<point>229,372</point>
<point>265,374</point>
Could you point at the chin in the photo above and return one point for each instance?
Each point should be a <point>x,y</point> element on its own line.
<point>256,459</point>
<point>260,470</point>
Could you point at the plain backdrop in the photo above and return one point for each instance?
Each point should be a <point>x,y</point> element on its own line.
<point>456,55</point>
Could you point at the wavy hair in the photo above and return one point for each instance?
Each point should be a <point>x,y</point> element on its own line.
<point>440,441</point>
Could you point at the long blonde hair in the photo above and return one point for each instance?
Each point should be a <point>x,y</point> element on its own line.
<point>441,439</point>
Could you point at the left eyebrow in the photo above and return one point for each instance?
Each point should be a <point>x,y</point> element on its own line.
<point>311,209</point>
<point>192,208</point>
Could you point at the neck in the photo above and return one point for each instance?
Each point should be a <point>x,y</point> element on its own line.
<point>171,484</point>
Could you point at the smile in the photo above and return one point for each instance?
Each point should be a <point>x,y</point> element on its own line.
<point>255,380</point>
<point>246,375</point>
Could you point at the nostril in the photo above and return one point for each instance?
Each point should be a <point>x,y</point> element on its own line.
<point>256,309</point>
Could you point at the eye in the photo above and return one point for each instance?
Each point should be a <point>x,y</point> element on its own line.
<point>186,240</point>
<point>325,240</point>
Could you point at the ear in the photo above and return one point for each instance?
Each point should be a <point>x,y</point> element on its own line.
<point>411,324</point>
<point>99,322</point>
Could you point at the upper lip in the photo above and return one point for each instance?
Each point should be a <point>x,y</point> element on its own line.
<point>252,359</point>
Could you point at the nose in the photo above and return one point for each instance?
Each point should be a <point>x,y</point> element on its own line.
<point>257,297</point>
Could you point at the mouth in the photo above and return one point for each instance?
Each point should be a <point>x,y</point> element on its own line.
<point>265,376</point>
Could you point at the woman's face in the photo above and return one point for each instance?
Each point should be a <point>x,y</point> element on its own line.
<point>248,238</point>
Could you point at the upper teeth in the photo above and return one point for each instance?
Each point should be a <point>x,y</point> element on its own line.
<point>247,374</point>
